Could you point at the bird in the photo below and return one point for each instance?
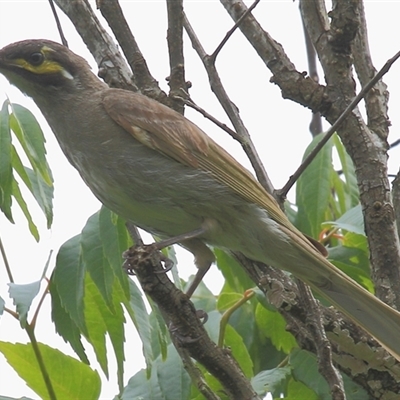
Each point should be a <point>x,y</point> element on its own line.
<point>154,167</point>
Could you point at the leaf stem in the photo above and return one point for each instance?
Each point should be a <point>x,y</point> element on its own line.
<point>31,333</point>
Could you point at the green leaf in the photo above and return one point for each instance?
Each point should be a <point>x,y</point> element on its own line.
<point>273,326</point>
<point>349,173</point>
<point>6,173</point>
<point>141,319</point>
<point>43,194</point>
<point>233,273</point>
<point>203,298</point>
<point>141,388</point>
<point>168,381</point>
<point>68,282</point>
<point>100,320</point>
<point>298,390</point>
<point>313,190</point>
<point>305,370</point>
<point>351,221</point>
<point>28,131</point>
<point>2,305</point>
<point>95,260</point>
<point>70,378</point>
<point>234,342</point>
<point>114,240</point>
<point>160,338</point>
<point>227,300</point>
<point>172,377</point>
<point>66,327</point>
<point>273,380</point>
<point>21,202</point>
<point>23,296</point>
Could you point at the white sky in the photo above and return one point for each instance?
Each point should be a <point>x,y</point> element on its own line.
<point>278,127</point>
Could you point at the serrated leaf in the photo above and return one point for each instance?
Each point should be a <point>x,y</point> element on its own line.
<point>100,321</point>
<point>94,259</point>
<point>141,320</point>
<point>235,343</point>
<point>21,202</point>
<point>273,380</point>
<point>66,327</point>
<point>172,377</point>
<point>114,241</point>
<point>351,221</point>
<point>298,390</point>
<point>30,135</point>
<point>6,173</point>
<point>305,370</point>
<point>43,194</point>
<point>23,295</point>
<point>168,381</point>
<point>68,277</point>
<point>160,338</point>
<point>141,388</point>
<point>313,190</point>
<point>70,378</point>
<point>273,326</point>
<point>2,305</point>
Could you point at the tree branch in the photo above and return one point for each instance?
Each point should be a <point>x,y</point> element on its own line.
<point>230,108</point>
<point>113,14</point>
<point>184,324</point>
<point>176,79</point>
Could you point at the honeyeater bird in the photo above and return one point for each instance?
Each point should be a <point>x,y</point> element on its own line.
<point>154,167</point>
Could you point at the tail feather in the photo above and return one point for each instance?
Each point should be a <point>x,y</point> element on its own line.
<point>377,318</point>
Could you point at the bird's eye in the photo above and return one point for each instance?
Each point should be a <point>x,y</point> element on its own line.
<point>36,58</point>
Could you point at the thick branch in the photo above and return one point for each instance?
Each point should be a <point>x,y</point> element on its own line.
<point>366,148</point>
<point>112,67</point>
<point>184,324</point>
<point>354,352</point>
<point>377,100</point>
<point>175,50</point>
<point>112,13</point>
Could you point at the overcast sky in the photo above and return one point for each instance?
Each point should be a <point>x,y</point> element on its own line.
<point>278,127</point>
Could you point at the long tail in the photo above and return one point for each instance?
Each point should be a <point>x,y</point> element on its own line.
<point>377,318</point>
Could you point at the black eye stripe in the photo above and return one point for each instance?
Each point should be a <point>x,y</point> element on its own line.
<point>36,58</point>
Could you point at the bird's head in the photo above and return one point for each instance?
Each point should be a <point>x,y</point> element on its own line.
<point>40,66</point>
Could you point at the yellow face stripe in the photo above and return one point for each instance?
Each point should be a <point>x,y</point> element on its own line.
<point>46,67</point>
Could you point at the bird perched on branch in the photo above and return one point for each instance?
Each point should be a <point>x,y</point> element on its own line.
<point>154,167</point>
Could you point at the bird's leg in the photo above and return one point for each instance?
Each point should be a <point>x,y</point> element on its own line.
<point>204,257</point>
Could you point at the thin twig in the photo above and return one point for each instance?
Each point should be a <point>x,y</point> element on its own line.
<point>230,32</point>
<point>176,80</point>
<point>329,133</point>
<point>316,120</point>
<point>59,27</point>
<point>6,263</point>
<point>229,107</point>
<point>190,103</point>
<point>322,345</point>
<point>394,144</point>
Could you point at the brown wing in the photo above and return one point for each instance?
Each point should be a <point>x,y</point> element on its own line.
<point>168,132</point>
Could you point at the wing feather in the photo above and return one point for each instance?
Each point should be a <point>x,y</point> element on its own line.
<point>168,132</point>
